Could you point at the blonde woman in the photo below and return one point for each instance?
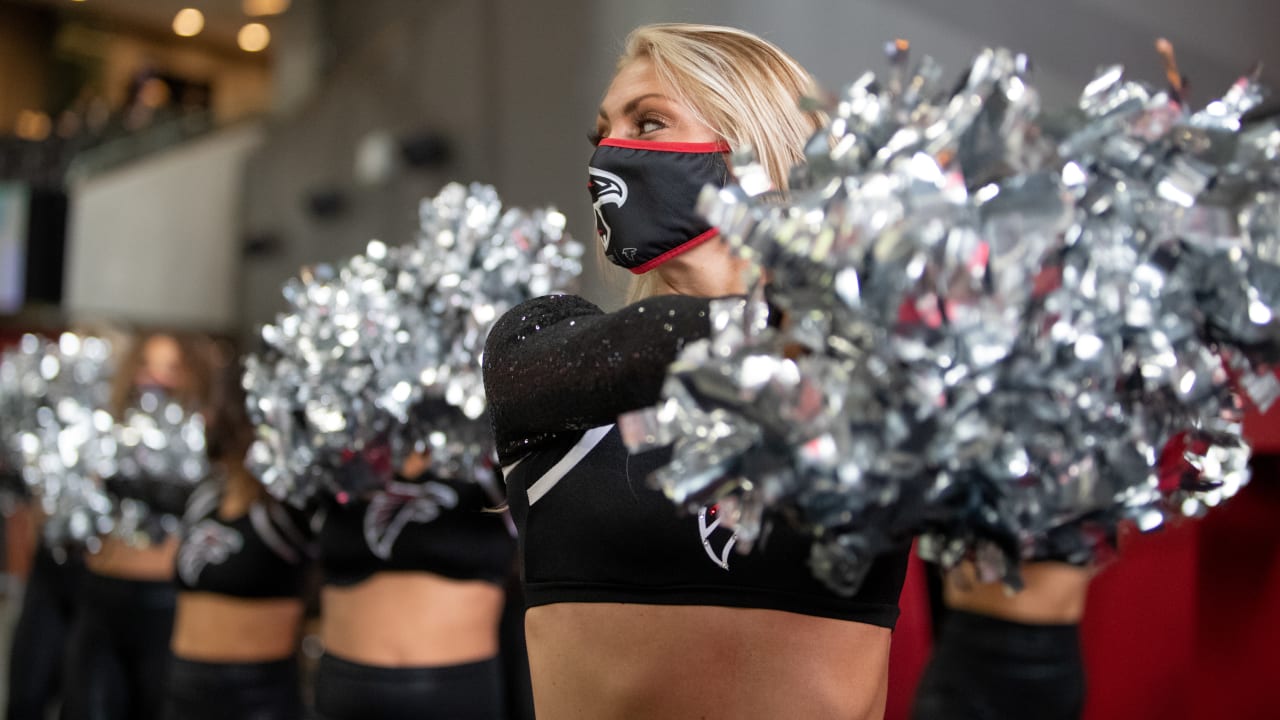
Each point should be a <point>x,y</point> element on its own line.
<point>635,610</point>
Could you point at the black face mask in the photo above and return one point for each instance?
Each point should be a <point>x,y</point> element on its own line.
<point>645,194</point>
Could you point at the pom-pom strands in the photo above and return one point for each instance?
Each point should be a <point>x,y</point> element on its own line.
<point>94,476</point>
<point>1005,329</point>
<point>53,398</point>
<point>380,357</point>
<point>159,457</point>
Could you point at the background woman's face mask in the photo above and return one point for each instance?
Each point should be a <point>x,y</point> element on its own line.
<point>644,194</point>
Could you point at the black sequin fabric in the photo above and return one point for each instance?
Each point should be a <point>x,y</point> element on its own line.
<point>559,364</point>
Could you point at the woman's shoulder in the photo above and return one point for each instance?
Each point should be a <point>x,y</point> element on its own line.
<point>539,313</point>
<point>552,306</point>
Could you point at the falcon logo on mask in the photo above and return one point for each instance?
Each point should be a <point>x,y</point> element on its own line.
<point>606,189</point>
<point>645,196</point>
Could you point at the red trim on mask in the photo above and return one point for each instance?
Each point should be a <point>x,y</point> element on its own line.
<point>682,248</point>
<point>680,147</point>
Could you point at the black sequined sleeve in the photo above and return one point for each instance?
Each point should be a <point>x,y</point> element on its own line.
<point>558,364</point>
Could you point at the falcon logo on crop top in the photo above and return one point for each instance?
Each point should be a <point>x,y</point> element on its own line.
<point>400,504</point>
<point>708,531</point>
<point>208,543</point>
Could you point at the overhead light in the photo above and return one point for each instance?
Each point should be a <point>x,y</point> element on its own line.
<point>262,8</point>
<point>188,22</point>
<point>254,37</point>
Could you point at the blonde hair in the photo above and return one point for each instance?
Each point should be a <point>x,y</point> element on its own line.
<point>742,87</point>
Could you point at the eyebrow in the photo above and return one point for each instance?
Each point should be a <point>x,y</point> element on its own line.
<point>631,105</point>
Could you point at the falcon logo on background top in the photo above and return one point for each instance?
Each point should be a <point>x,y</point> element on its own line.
<point>209,543</point>
<point>400,504</point>
<point>706,530</point>
<point>607,189</point>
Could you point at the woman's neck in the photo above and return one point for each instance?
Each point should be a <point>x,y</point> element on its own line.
<point>709,270</point>
<point>241,491</point>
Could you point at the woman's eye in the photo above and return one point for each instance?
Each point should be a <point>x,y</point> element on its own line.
<point>650,125</point>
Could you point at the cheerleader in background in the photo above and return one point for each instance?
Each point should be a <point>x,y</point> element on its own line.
<point>1000,655</point>
<point>412,599</point>
<point>241,571</point>
<point>49,603</point>
<point>119,644</point>
<point>997,653</point>
<point>413,561</point>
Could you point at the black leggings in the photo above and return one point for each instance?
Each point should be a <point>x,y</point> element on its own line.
<point>243,691</point>
<point>119,651</point>
<point>40,635</point>
<point>351,691</point>
<point>985,668</point>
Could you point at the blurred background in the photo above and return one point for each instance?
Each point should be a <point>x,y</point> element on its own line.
<point>169,163</point>
<point>173,161</point>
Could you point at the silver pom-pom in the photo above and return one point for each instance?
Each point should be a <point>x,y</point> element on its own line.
<point>159,458</point>
<point>1004,329</point>
<point>380,356</point>
<point>53,396</point>
<point>93,476</point>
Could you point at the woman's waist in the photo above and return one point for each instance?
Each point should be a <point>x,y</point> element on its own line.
<point>219,628</point>
<point>635,627</point>
<point>719,661</point>
<point>1053,593</point>
<point>412,618</point>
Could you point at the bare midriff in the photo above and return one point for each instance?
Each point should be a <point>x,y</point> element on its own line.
<point>600,661</point>
<point>412,619</point>
<point>1053,594</point>
<point>219,628</point>
<point>118,559</point>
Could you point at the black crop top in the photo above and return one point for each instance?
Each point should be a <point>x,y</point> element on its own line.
<point>558,371</point>
<point>427,525</point>
<point>264,553</point>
